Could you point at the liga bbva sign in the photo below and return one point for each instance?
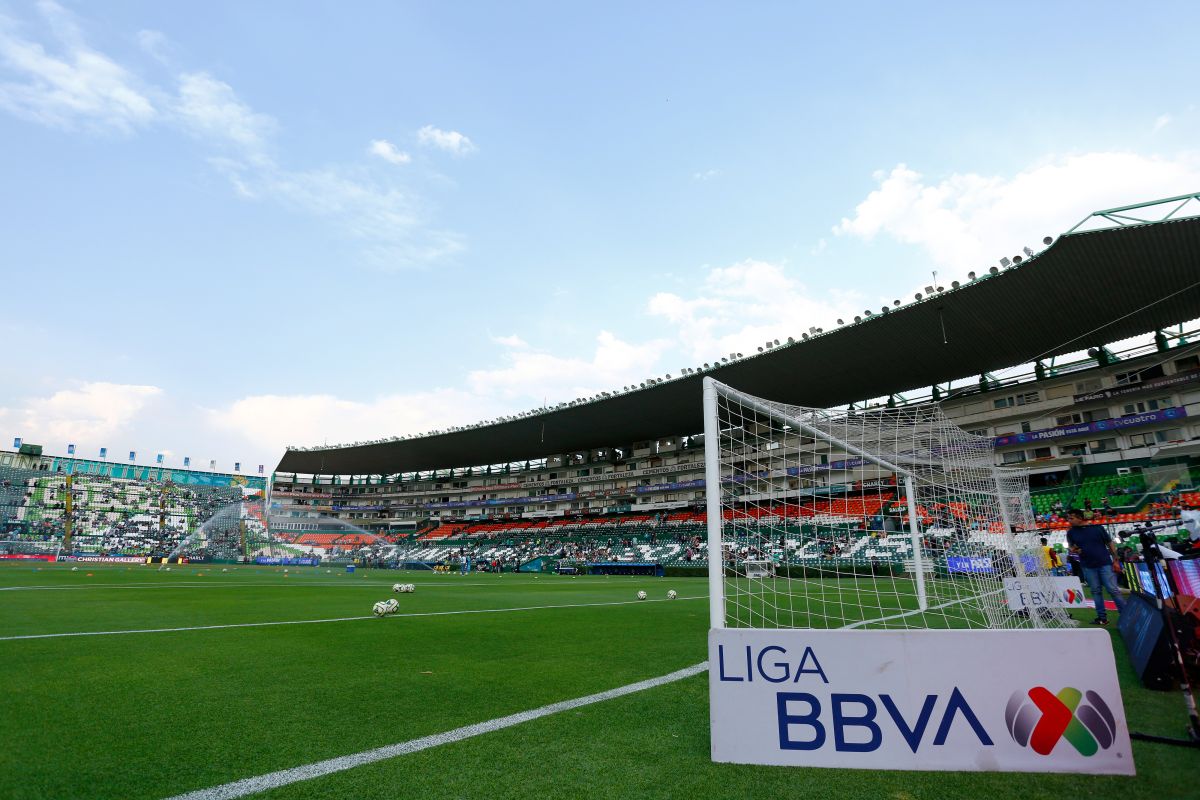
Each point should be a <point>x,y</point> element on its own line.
<point>1003,701</point>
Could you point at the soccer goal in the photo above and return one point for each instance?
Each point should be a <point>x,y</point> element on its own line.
<point>880,518</point>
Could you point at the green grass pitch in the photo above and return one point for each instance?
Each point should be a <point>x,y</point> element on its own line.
<point>156,714</point>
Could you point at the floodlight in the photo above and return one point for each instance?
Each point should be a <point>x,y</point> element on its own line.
<point>867,312</point>
<point>970,276</point>
<point>1004,262</point>
<point>804,336</point>
<point>777,342</point>
<point>760,349</point>
<point>917,296</point>
<point>769,345</point>
<point>928,290</point>
<point>1047,240</point>
<point>953,284</point>
<point>858,319</point>
<point>993,271</point>
<point>1027,251</point>
<point>840,322</point>
<point>1016,259</point>
<point>896,302</point>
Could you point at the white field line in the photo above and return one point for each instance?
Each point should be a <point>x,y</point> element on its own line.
<point>274,780</point>
<point>215,585</point>
<point>339,619</point>
<point>947,604</point>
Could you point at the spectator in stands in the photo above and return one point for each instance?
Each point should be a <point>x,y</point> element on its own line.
<point>1098,560</point>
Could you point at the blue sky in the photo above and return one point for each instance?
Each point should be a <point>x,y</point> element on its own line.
<point>228,227</point>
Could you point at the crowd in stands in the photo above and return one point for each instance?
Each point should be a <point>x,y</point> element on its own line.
<point>108,516</point>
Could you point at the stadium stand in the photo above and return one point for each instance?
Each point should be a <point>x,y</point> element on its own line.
<point>126,517</point>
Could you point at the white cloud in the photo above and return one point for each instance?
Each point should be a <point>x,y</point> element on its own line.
<point>155,44</point>
<point>389,222</point>
<point>72,87</point>
<point>510,341</point>
<point>271,422</point>
<point>210,110</point>
<point>1162,121</point>
<point>384,149</point>
<point>532,376</point>
<point>83,415</point>
<point>741,307</point>
<point>706,175</point>
<point>967,220</point>
<point>450,141</point>
<point>81,87</point>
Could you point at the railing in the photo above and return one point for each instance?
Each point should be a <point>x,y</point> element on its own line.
<point>1170,207</point>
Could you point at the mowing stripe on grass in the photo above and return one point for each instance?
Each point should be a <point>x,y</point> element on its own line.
<point>337,619</point>
<point>284,777</point>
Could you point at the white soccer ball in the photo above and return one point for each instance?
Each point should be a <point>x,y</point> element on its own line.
<point>671,594</point>
<point>411,587</point>
<point>392,605</point>
<point>380,608</point>
<point>397,587</point>
<point>641,595</point>
<point>74,569</point>
<point>225,569</point>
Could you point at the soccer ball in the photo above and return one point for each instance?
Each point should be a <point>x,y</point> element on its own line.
<point>380,608</point>
<point>409,587</point>
<point>74,569</point>
<point>392,604</point>
<point>671,594</point>
<point>397,587</point>
<point>641,595</point>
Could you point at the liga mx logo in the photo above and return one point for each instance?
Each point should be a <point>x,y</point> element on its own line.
<point>1038,719</point>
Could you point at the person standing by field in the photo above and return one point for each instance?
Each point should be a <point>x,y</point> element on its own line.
<point>1098,558</point>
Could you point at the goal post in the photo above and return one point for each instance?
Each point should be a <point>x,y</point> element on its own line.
<point>879,599</point>
<point>872,518</point>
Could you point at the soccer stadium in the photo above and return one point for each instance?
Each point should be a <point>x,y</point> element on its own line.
<point>518,607</point>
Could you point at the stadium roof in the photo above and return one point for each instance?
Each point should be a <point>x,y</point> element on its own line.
<point>1088,288</point>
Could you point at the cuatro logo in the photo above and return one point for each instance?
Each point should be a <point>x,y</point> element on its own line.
<point>1039,719</point>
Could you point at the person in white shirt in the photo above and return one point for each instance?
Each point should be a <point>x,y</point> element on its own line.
<point>1189,519</point>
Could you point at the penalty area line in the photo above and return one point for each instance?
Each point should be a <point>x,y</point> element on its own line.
<point>274,780</point>
<point>338,619</point>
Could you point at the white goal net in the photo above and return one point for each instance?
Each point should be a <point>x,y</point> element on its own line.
<point>883,518</point>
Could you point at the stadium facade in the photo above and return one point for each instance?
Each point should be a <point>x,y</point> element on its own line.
<point>1121,273</point>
